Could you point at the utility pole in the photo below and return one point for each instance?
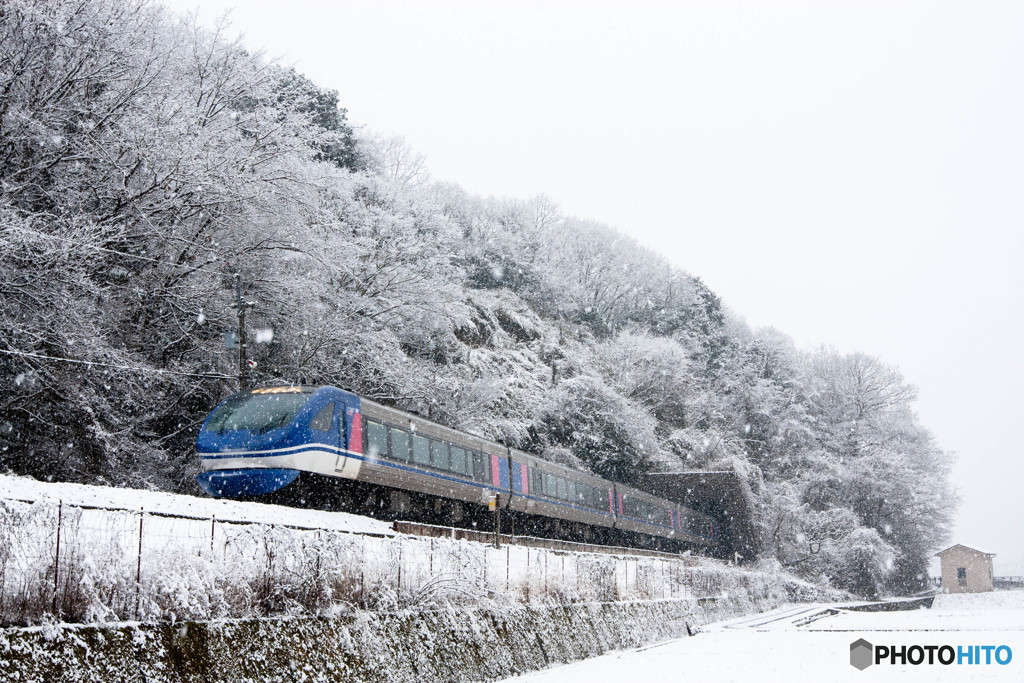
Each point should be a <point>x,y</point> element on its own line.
<point>243,366</point>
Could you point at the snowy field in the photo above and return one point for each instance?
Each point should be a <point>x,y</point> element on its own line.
<point>789,645</point>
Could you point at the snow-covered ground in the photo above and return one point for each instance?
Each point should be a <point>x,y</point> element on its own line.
<point>24,488</point>
<point>80,553</point>
<point>784,645</point>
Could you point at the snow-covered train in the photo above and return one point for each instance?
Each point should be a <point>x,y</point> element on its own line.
<point>267,441</point>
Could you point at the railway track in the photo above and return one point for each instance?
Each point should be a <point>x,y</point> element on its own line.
<point>490,538</point>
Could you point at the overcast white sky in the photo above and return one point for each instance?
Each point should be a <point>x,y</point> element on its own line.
<point>851,173</point>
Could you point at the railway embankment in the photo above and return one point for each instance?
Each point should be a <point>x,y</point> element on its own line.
<point>121,585</point>
<point>455,643</point>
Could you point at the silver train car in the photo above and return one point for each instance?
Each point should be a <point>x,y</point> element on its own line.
<point>264,441</point>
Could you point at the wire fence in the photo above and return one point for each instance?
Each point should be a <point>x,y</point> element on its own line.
<point>76,563</point>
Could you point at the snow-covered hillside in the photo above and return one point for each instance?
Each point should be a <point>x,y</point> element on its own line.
<point>139,204</point>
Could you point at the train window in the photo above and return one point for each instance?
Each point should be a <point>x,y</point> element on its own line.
<point>322,421</point>
<point>439,454</point>
<point>420,450</point>
<point>559,488</point>
<point>545,483</point>
<point>458,460</point>
<point>376,440</point>
<point>399,444</point>
<point>570,490</point>
<point>255,412</point>
<point>634,507</point>
<point>479,467</point>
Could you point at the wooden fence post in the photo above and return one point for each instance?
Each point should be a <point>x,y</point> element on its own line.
<point>56,558</point>
<point>138,568</point>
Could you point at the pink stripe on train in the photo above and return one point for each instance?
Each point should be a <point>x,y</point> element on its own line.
<point>355,441</point>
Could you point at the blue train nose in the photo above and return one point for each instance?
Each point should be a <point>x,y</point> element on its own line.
<point>243,483</point>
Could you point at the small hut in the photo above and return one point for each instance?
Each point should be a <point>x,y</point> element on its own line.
<point>965,570</point>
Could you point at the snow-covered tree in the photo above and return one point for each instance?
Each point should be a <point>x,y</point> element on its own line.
<point>145,163</point>
<point>604,430</point>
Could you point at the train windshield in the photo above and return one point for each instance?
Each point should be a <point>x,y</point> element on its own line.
<point>256,412</point>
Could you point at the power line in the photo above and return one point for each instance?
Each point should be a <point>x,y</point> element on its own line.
<point>37,356</point>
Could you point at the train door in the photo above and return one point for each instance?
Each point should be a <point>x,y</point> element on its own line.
<point>521,486</point>
<point>501,476</point>
<point>350,455</point>
<point>615,504</point>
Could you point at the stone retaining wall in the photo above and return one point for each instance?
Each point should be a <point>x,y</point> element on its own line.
<point>453,644</point>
